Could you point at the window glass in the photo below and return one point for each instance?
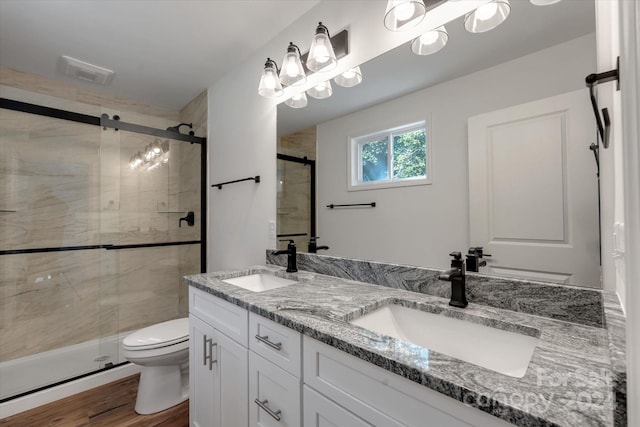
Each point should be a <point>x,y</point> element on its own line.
<point>374,157</point>
<point>390,158</point>
<point>410,155</point>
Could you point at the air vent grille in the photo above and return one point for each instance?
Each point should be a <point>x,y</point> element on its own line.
<point>86,72</point>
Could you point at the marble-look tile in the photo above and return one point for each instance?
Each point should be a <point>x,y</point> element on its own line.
<point>561,302</point>
<point>87,100</point>
<point>567,383</point>
<point>47,301</point>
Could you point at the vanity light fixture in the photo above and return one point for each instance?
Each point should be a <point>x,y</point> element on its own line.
<point>298,100</point>
<point>544,2</point>
<point>270,86</point>
<point>430,42</point>
<point>487,17</point>
<point>404,14</point>
<point>321,55</point>
<point>349,78</point>
<point>292,72</point>
<point>321,91</point>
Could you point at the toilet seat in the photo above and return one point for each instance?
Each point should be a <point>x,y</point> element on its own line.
<point>163,334</point>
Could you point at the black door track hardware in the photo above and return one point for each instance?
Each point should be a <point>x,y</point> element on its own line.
<point>592,80</point>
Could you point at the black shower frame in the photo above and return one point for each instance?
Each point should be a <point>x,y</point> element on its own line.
<point>115,123</point>
<point>312,170</point>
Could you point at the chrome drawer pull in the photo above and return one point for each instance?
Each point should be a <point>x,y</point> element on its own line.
<point>207,343</point>
<point>265,339</point>
<point>263,405</point>
<point>211,359</point>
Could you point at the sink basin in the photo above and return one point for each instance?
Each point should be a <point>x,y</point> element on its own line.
<point>501,351</point>
<point>260,282</point>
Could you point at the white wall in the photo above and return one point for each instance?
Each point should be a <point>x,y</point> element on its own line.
<point>242,125</point>
<point>629,15</point>
<point>420,225</point>
<point>611,170</point>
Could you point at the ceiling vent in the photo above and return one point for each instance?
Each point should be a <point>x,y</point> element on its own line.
<point>85,71</point>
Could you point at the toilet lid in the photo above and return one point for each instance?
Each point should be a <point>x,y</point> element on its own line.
<point>159,335</point>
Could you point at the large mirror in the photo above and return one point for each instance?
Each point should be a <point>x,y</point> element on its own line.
<point>500,177</point>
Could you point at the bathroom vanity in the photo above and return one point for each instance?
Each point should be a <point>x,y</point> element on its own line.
<point>301,351</point>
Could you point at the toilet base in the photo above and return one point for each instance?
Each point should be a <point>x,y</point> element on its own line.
<point>160,388</point>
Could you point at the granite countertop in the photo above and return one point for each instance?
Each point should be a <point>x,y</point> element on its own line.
<point>568,381</point>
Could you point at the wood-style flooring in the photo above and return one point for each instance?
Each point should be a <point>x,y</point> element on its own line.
<point>110,405</point>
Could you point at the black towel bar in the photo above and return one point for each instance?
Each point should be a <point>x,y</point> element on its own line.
<point>253,178</point>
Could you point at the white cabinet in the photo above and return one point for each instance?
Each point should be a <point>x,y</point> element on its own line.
<point>246,370</point>
<point>380,397</point>
<point>321,412</point>
<point>276,343</point>
<point>274,394</point>
<point>218,375</point>
<point>201,379</point>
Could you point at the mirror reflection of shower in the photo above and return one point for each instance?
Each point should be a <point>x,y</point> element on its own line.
<point>154,155</point>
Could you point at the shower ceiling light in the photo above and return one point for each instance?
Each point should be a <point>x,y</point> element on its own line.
<point>321,55</point>
<point>321,90</point>
<point>297,101</point>
<point>270,86</point>
<point>349,78</point>
<point>292,73</point>
<point>487,17</point>
<point>430,42</point>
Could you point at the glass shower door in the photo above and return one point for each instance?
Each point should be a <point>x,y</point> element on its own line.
<point>50,250</point>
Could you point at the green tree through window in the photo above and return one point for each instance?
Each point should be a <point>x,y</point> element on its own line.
<point>390,158</point>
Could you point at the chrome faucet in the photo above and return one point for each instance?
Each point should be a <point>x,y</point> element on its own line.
<point>457,278</point>
<point>291,256</point>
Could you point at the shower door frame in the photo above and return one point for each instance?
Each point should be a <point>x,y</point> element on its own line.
<point>312,184</point>
<point>112,123</point>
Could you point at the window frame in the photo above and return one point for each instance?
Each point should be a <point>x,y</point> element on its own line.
<point>355,144</point>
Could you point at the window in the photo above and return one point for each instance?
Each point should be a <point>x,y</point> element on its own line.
<point>390,158</point>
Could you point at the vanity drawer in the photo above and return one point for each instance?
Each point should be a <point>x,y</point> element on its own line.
<point>276,343</point>
<point>274,395</point>
<point>228,318</point>
<point>360,386</point>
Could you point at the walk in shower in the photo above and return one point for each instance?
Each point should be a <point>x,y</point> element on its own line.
<point>100,217</point>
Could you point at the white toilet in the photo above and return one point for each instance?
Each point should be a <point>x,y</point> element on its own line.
<point>163,352</point>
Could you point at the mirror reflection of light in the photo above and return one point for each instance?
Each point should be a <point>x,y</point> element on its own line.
<point>429,37</point>
<point>486,11</point>
<point>404,10</point>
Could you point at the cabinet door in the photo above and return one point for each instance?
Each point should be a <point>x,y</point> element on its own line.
<point>231,375</point>
<point>201,374</point>
<point>321,412</point>
<point>274,394</point>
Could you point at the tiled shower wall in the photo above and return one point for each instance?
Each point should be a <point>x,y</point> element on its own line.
<point>70,185</point>
<point>294,212</point>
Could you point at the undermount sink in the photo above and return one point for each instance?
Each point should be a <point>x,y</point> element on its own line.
<point>501,351</point>
<point>259,282</point>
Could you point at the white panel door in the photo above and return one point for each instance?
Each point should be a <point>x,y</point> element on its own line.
<point>533,190</point>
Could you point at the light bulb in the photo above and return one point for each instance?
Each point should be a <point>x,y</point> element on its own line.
<point>404,10</point>
<point>486,11</point>
<point>429,37</point>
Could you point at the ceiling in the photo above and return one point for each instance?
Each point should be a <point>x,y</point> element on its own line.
<point>164,52</point>
<point>528,29</point>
